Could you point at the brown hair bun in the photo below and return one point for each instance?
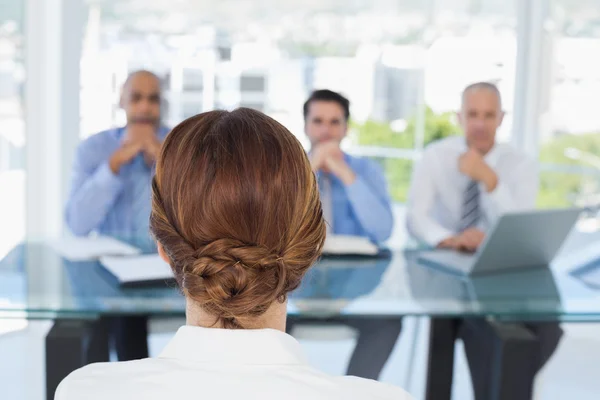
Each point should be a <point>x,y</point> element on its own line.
<point>236,208</point>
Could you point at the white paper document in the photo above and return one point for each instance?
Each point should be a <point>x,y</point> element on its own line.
<point>591,278</point>
<point>137,268</point>
<point>351,245</point>
<point>92,248</point>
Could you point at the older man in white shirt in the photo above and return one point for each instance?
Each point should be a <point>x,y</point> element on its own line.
<point>459,189</point>
<point>463,184</point>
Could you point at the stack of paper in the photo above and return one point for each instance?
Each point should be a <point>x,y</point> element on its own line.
<point>92,248</point>
<point>146,268</point>
<point>349,245</point>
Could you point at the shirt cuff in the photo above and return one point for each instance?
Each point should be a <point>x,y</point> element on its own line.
<point>106,178</point>
<point>435,236</point>
<point>427,232</point>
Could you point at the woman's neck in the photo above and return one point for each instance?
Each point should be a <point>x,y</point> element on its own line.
<point>273,318</point>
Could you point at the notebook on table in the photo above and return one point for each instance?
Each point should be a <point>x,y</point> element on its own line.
<point>344,246</point>
<point>92,248</point>
<point>136,271</point>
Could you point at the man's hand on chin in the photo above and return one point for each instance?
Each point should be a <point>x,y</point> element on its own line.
<point>328,157</point>
<point>473,165</point>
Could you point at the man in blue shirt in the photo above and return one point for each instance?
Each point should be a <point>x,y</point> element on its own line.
<point>353,190</point>
<point>355,202</point>
<point>111,187</point>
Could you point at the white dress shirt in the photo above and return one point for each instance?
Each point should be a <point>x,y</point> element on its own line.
<point>435,199</point>
<point>205,363</point>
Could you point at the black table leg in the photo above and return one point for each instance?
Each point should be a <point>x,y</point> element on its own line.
<point>71,344</point>
<point>514,366</point>
<point>440,364</point>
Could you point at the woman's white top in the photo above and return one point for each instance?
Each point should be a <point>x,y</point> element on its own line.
<point>204,363</point>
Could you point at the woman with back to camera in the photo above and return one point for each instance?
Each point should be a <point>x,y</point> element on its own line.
<point>237,215</point>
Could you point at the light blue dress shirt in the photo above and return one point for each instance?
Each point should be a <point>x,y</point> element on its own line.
<point>364,207</point>
<point>112,205</point>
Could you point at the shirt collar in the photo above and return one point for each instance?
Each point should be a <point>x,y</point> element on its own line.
<point>234,346</point>
<point>348,158</point>
<point>490,157</point>
<point>118,133</point>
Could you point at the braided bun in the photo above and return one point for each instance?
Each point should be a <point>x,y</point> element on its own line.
<point>236,209</point>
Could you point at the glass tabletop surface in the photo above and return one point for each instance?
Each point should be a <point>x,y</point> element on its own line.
<point>36,282</point>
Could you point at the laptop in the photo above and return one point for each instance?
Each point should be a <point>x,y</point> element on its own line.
<point>518,240</point>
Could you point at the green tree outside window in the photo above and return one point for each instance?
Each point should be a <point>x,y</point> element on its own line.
<point>557,189</point>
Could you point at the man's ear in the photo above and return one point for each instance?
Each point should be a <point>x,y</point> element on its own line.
<point>122,99</point>
<point>502,114</point>
<point>162,253</point>
<point>459,118</point>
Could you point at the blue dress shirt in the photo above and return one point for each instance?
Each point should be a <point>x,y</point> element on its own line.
<point>100,201</point>
<point>364,207</point>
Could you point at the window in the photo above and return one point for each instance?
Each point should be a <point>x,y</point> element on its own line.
<point>12,125</point>
<point>249,83</point>
<point>192,80</point>
<point>190,108</point>
<point>402,63</point>
<point>255,106</point>
<point>570,121</point>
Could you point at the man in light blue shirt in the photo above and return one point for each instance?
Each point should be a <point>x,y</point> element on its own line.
<point>353,190</point>
<point>355,202</point>
<point>111,187</point>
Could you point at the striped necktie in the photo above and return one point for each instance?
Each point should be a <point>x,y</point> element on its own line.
<point>470,208</point>
<point>326,200</point>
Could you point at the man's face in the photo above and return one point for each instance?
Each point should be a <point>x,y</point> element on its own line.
<point>141,99</point>
<point>480,117</point>
<point>325,122</point>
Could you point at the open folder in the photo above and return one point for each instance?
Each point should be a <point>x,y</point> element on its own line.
<point>349,245</point>
<point>138,270</point>
<point>91,248</point>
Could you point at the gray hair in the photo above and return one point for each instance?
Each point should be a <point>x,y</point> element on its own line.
<point>482,86</point>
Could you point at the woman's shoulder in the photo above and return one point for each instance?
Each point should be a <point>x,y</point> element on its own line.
<point>125,380</point>
<point>91,381</point>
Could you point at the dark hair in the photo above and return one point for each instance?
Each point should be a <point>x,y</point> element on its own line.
<point>328,95</point>
<point>236,208</point>
<point>135,73</point>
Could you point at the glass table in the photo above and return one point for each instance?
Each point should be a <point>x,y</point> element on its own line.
<point>36,282</point>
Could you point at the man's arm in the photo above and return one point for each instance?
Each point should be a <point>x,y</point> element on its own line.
<point>516,190</point>
<point>94,189</point>
<point>421,200</point>
<point>370,200</point>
